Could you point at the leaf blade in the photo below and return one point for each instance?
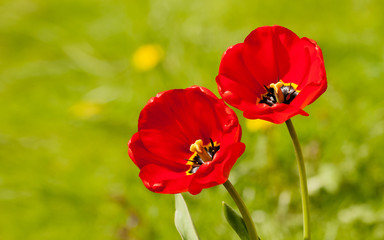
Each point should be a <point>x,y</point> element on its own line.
<point>183,220</point>
<point>236,222</point>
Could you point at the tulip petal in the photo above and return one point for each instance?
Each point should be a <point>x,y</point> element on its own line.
<point>141,156</point>
<point>237,95</point>
<point>233,67</point>
<point>309,94</point>
<point>217,171</point>
<point>169,124</point>
<point>266,53</point>
<point>163,180</point>
<point>278,113</point>
<point>307,65</point>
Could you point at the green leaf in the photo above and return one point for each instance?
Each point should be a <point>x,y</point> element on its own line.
<point>183,220</point>
<point>236,222</point>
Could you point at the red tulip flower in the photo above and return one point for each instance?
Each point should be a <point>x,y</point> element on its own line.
<point>273,75</point>
<point>187,140</point>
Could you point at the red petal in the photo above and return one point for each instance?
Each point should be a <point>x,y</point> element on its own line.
<point>162,180</point>
<point>217,171</point>
<point>306,63</point>
<point>141,156</point>
<point>309,94</point>
<point>165,125</point>
<point>233,67</point>
<point>174,120</point>
<point>235,94</point>
<point>271,54</point>
<point>207,115</point>
<point>317,70</point>
<point>299,62</point>
<point>266,53</point>
<point>278,113</point>
<point>315,82</point>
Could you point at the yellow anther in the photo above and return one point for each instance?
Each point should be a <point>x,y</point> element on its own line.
<point>197,146</point>
<point>278,93</point>
<point>200,150</point>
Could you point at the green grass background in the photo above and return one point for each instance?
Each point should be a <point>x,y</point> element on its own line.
<point>63,176</point>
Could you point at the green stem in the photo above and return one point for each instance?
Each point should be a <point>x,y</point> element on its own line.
<point>243,210</point>
<point>303,180</point>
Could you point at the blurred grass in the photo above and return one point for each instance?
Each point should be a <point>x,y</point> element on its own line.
<point>70,96</point>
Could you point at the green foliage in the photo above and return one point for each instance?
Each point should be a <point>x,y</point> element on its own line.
<point>236,222</point>
<point>70,97</point>
<point>183,221</point>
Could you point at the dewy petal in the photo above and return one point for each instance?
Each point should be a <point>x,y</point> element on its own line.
<point>217,171</point>
<point>163,180</point>
<point>266,53</point>
<point>278,113</point>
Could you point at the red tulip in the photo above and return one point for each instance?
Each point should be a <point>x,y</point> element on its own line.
<point>273,75</point>
<point>187,140</point>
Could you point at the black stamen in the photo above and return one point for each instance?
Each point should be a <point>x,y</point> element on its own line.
<point>190,160</point>
<point>289,94</point>
<point>197,161</point>
<point>212,145</point>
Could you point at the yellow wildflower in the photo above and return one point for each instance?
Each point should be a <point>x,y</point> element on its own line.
<point>146,57</point>
<point>257,125</point>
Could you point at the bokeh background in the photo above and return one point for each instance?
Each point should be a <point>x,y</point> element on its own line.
<point>74,75</point>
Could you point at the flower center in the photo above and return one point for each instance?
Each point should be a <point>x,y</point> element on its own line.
<point>279,92</point>
<point>201,154</point>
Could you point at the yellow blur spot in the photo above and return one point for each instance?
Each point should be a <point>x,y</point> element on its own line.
<point>257,125</point>
<point>85,109</point>
<point>147,57</point>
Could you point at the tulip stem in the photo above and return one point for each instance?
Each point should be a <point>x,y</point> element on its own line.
<point>243,210</point>
<point>303,180</point>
